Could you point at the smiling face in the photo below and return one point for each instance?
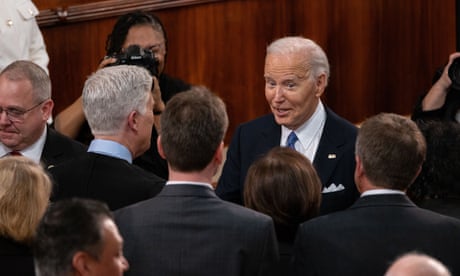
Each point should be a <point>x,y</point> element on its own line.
<point>291,89</point>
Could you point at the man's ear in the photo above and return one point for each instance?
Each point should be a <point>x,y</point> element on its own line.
<point>160,147</point>
<point>133,121</point>
<point>219,155</point>
<point>82,263</point>
<point>47,109</point>
<point>321,83</point>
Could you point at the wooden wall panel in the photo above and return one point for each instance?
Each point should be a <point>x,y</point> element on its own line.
<point>382,52</point>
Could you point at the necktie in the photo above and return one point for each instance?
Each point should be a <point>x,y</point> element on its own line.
<point>292,138</point>
<point>15,153</point>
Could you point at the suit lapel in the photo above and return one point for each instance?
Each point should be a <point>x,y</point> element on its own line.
<point>330,148</point>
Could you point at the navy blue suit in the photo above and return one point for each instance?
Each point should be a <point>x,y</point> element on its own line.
<point>366,238</point>
<point>334,159</point>
<point>59,148</point>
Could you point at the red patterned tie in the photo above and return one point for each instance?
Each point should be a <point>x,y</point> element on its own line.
<point>15,153</point>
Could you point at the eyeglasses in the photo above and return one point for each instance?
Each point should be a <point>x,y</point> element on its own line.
<point>157,48</point>
<point>17,115</point>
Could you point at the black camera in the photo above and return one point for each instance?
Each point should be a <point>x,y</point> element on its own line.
<point>135,55</point>
<point>454,73</point>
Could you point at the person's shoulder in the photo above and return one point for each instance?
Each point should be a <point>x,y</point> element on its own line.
<point>56,139</point>
<point>240,213</point>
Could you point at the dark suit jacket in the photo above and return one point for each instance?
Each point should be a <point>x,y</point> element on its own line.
<point>334,159</point>
<point>15,258</point>
<point>188,230</point>
<point>366,238</point>
<point>59,148</point>
<point>105,178</point>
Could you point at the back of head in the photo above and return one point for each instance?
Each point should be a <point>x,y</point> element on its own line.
<point>314,56</point>
<point>391,149</point>
<point>69,226</point>
<point>414,264</point>
<point>193,125</point>
<point>120,30</point>
<point>21,70</point>
<point>24,195</point>
<point>112,93</point>
<point>284,185</point>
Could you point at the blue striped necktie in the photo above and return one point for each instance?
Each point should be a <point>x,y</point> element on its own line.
<point>292,138</point>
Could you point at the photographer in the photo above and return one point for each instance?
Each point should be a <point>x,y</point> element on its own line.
<point>442,102</point>
<point>147,31</point>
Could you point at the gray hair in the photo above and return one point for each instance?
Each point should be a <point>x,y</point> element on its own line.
<point>27,70</point>
<point>111,93</point>
<point>314,57</point>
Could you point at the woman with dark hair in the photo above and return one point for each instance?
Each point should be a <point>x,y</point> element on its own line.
<point>146,31</point>
<point>284,185</point>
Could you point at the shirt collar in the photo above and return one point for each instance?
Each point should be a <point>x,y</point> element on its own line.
<point>382,192</point>
<point>190,183</point>
<point>110,148</point>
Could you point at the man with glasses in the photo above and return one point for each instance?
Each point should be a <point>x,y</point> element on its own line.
<point>25,106</point>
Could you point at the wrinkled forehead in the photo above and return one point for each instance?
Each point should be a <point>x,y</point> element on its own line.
<point>277,65</point>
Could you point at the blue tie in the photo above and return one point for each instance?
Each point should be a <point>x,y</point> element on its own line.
<point>292,138</point>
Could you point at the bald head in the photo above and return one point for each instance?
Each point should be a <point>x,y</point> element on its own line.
<point>417,265</point>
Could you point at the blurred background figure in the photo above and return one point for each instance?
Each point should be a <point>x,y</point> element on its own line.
<point>415,264</point>
<point>24,195</point>
<point>442,101</point>
<point>284,185</point>
<point>79,237</point>
<point>437,187</point>
<point>20,37</point>
<point>147,31</point>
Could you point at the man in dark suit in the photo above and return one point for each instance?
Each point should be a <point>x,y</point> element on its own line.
<point>383,223</point>
<point>25,107</point>
<point>296,75</point>
<point>187,229</point>
<point>118,105</point>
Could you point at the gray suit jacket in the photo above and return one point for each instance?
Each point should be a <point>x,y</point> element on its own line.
<point>187,230</point>
<point>370,235</point>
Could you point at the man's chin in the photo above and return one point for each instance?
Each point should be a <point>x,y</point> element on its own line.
<point>9,139</point>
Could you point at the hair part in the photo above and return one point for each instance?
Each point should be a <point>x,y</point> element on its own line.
<point>117,38</point>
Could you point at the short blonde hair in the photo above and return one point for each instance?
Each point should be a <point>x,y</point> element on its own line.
<point>25,189</point>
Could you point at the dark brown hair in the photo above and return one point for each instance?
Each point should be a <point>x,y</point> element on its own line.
<point>284,185</point>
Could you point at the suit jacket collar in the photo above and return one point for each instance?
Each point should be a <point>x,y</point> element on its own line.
<point>180,190</point>
<point>383,200</point>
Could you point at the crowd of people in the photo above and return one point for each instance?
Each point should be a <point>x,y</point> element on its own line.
<point>121,183</point>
